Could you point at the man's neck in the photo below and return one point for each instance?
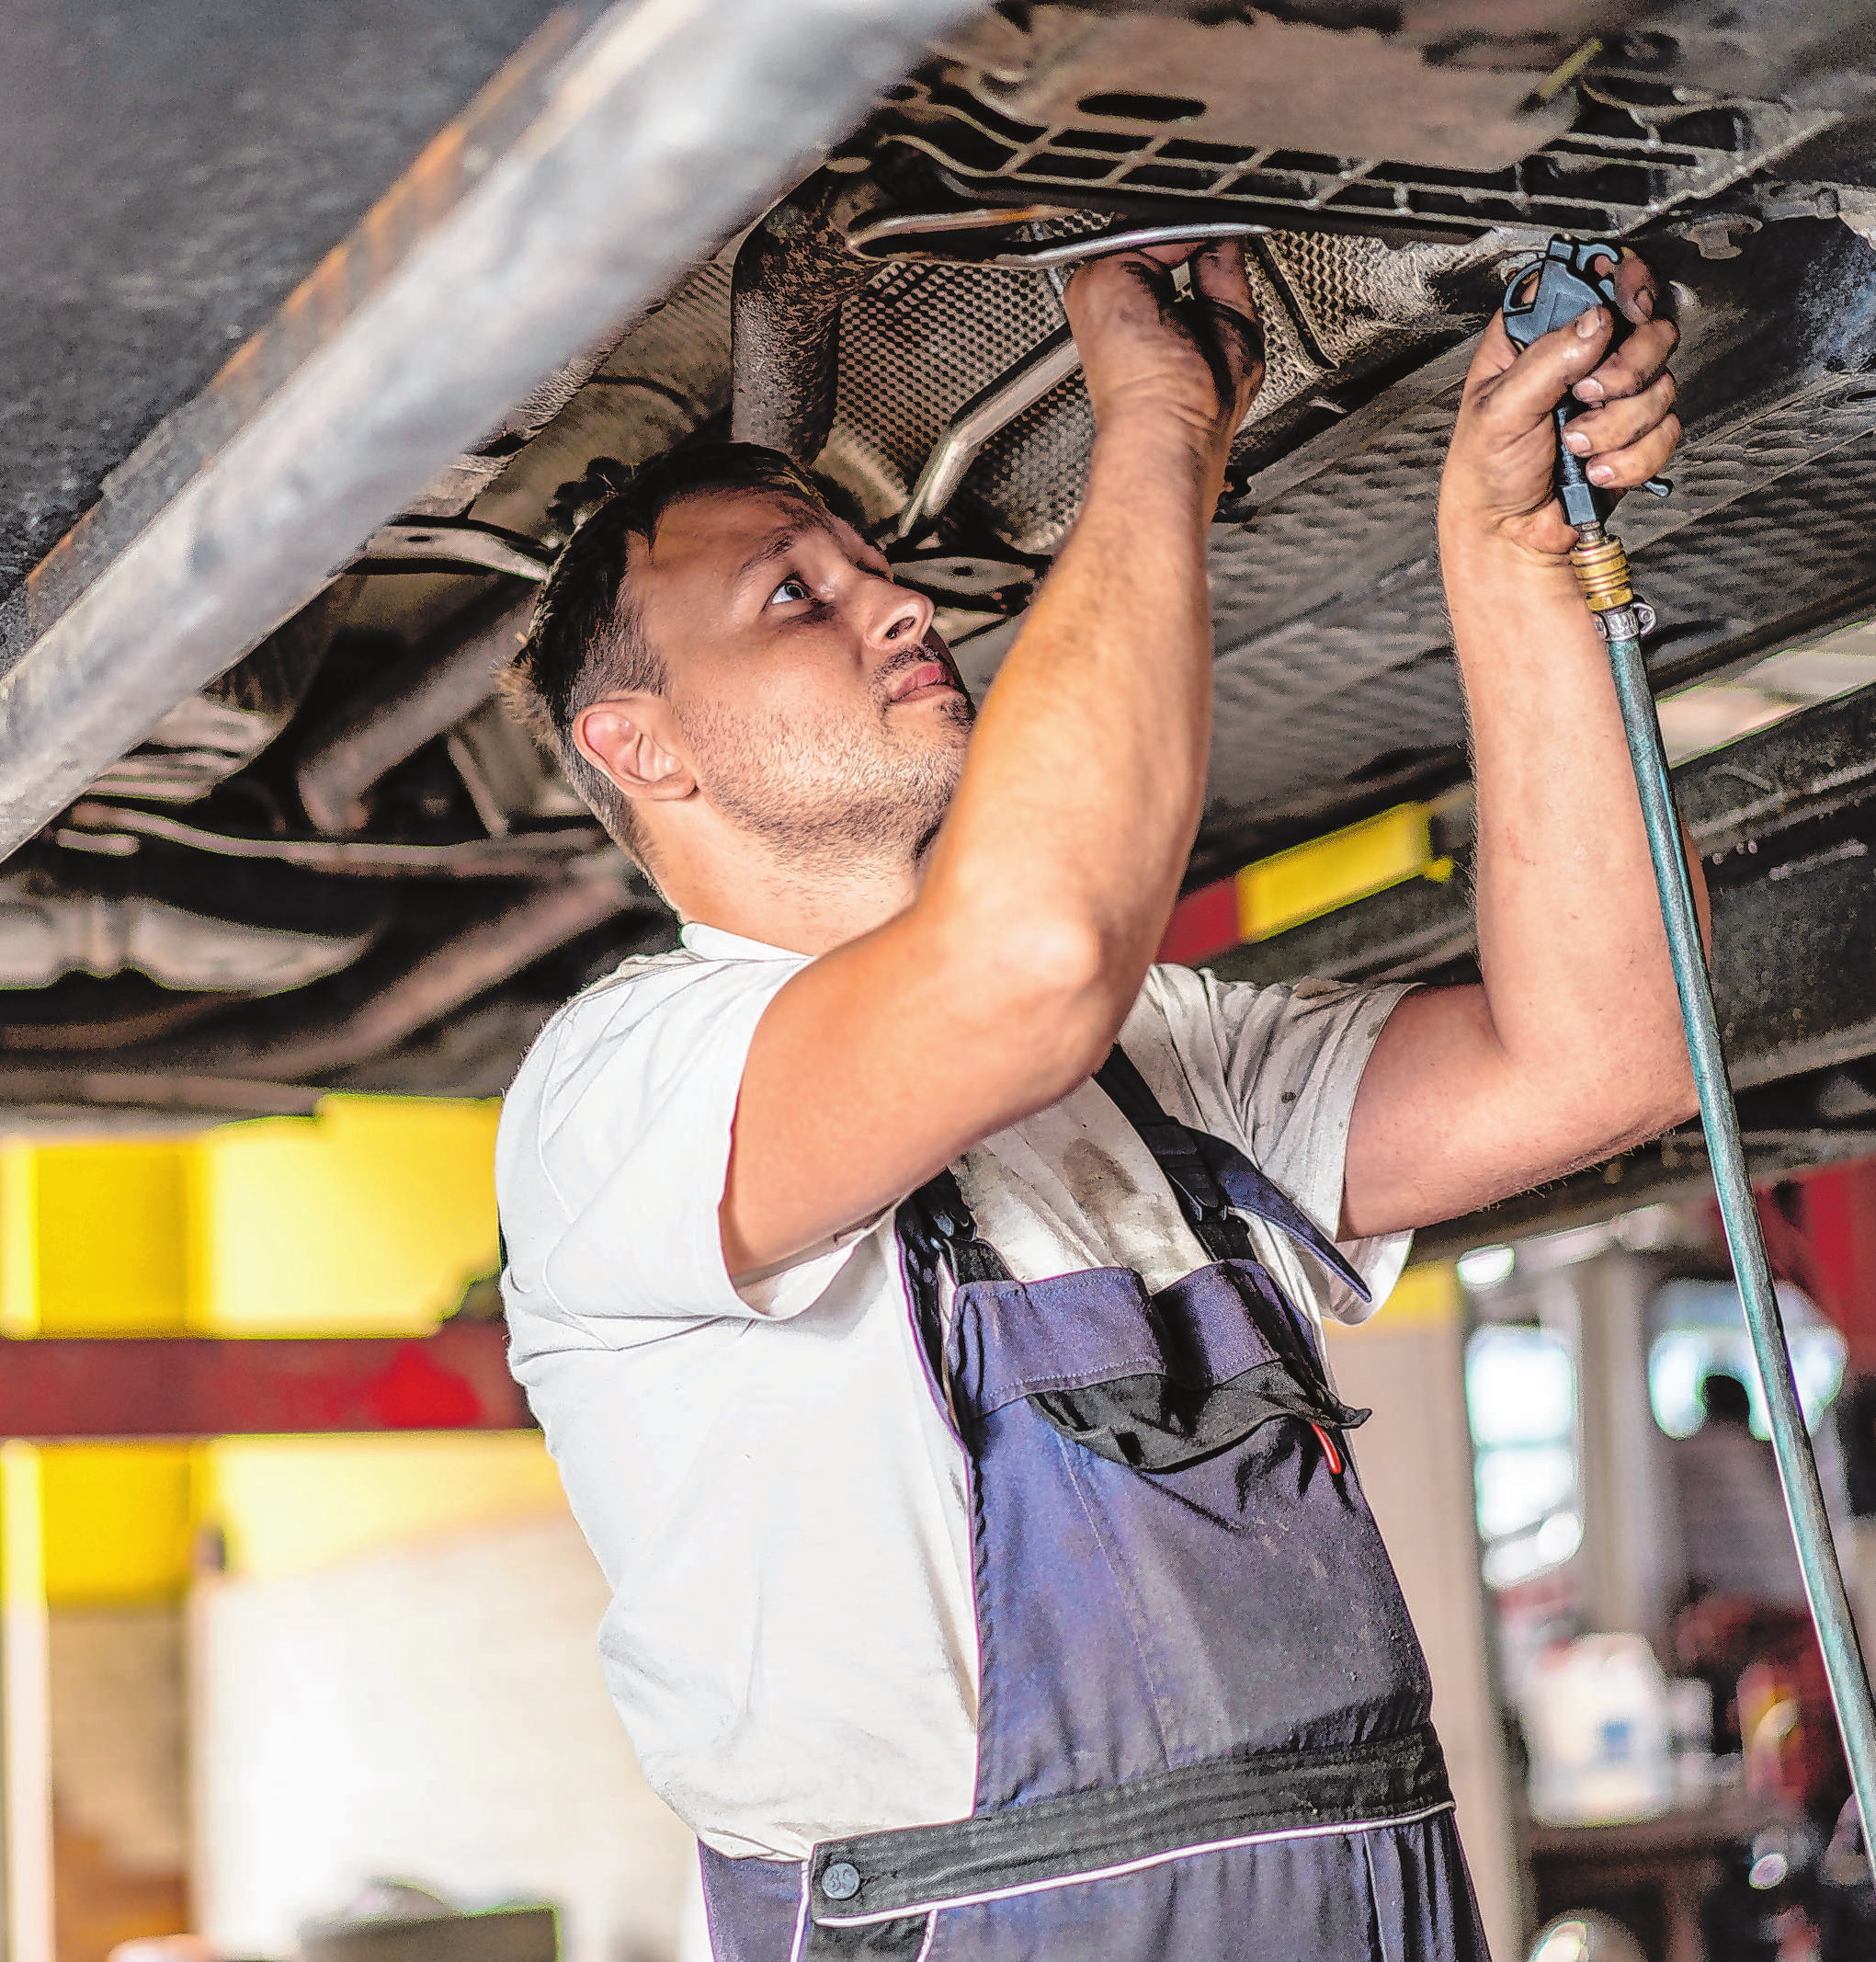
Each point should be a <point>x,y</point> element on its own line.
<point>806,910</point>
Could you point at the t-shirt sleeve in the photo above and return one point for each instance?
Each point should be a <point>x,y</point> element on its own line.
<point>1276,1069</point>
<point>614,1146</point>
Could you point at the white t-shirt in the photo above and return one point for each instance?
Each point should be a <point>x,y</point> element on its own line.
<point>775,1498</point>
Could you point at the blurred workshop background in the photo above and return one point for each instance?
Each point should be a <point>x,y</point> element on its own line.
<point>299,1633</point>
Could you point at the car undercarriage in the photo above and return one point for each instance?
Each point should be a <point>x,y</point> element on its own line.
<point>328,856</point>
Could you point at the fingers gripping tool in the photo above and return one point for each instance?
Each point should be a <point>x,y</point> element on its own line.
<point>1566,285</point>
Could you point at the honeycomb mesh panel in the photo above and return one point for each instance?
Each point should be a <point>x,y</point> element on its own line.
<point>921,338</point>
<point>917,343</point>
<point>1290,369</point>
<point>1359,299</point>
<point>1030,479</point>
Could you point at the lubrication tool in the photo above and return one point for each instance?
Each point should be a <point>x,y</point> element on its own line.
<point>1566,282</point>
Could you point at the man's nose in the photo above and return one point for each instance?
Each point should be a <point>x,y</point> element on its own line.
<point>903,618</point>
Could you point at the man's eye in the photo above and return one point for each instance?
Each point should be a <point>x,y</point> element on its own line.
<point>789,591</point>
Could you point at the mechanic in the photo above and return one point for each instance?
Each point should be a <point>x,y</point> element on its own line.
<point>919,1286</point>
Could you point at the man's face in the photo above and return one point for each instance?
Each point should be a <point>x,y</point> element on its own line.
<point>817,708</point>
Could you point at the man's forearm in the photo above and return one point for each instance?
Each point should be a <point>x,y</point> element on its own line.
<point>1079,803</point>
<point>1087,767</point>
<point>998,988</point>
<point>1571,945</point>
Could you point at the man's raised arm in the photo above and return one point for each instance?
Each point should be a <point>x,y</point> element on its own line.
<point>1045,895</point>
<point>1572,1049</point>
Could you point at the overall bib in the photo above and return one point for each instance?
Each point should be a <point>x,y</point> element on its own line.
<point>1202,1718</point>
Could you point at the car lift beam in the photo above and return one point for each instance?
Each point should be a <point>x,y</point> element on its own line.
<point>577,188</point>
<point>65,1387</point>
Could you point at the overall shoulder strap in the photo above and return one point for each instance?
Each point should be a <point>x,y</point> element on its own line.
<point>1175,1151</point>
<point>935,1227</point>
<point>936,1219</point>
<point>1213,1180</point>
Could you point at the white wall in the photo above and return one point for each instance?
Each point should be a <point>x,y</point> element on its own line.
<point>430,1711</point>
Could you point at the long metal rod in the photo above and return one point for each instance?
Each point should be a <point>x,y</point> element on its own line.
<point>451,674</point>
<point>656,135</point>
<point>520,855</point>
<point>879,241</point>
<point>1824,1581</point>
<point>988,411</point>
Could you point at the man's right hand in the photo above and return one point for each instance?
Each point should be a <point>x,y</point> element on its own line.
<point>1193,360</point>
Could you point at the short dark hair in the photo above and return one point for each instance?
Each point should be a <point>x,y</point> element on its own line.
<point>588,640</point>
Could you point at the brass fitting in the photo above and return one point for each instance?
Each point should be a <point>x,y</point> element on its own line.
<point>1602,571</point>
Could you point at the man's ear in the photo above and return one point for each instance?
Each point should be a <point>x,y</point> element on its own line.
<point>629,738</point>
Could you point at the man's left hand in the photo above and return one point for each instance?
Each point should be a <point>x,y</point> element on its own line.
<point>1571,1050</point>
<point>1498,471</point>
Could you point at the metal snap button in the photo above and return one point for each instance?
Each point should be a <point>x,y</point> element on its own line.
<point>840,1882</point>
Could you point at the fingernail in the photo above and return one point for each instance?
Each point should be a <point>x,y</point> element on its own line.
<point>1601,474</point>
<point>1645,303</point>
<point>1588,390</point>
<point>1577,443</point>
<point>1589,324</point>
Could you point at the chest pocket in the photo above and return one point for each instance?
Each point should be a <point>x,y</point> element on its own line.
<point>1154,1382</point>
<point>1232,1360</point>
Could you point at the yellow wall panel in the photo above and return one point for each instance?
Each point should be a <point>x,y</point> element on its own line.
<point>119,1522</point>
<point>1425,1296</point>
<point>112,1248</point>
<point>368,1219</point>
<point>286,1505</point>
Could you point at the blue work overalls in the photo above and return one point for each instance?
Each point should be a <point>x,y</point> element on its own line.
<point>1202,1711</point>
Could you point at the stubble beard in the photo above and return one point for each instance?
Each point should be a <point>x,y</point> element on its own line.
<point>828,795</point>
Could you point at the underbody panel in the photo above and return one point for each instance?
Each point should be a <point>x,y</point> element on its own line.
<point>271,828</point>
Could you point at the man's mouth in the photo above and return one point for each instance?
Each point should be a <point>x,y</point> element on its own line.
<point>931,675</point>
